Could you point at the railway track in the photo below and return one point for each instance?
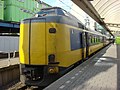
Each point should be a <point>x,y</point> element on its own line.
<point>20,86</point>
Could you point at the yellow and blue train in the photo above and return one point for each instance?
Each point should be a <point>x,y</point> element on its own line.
<point>53,41</point>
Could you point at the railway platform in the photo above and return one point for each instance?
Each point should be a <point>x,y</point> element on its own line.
<point>9,72</point>
<point>100,72</point>
<point>8,61</point>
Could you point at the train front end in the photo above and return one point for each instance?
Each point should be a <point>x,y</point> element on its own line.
<point>37,50</point>
<point>32,49</point>
<point>45,46</point>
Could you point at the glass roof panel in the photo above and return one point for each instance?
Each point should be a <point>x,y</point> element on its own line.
<point>108,9</point>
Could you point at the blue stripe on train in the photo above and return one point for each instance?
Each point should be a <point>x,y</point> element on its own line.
<point>75,39</point>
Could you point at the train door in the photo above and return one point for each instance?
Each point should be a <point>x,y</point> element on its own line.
<point>82,43</point>
<point>37,52</point>
<point>85,45</point>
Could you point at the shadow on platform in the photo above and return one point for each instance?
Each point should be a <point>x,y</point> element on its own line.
<point>101,64</point>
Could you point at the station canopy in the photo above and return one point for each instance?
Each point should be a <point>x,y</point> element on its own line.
<point>109,10</point>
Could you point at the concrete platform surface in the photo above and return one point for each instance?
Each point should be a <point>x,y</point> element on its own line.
<point>101,72</point>
<point>7,62</point>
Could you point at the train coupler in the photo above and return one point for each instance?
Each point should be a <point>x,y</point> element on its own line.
<point>53,68</point>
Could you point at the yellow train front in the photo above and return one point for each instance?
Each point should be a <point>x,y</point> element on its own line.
<point>51,42</point>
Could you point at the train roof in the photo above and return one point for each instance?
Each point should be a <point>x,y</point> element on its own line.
<point>68,14</point>
<point>93,32</point>
<point>76,20</point>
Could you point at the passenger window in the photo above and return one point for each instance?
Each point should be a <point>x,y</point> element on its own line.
<point>97,40</point>
<point>94,39</point>
<point>91,40</point>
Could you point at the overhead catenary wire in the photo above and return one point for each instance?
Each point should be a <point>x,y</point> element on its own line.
<point>71,8</point>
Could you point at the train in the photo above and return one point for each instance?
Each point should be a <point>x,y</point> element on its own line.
<point>53,41</point>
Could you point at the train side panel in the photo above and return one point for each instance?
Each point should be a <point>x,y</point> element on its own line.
<point>51,30</point>
<point>94,48</point>
<point>24,43</point>
<point>66,53</point>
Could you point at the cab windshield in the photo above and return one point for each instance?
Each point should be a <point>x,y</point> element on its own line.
<point>50,12</point>
<point>46,12</point>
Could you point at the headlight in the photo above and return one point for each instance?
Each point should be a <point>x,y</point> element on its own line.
<point>51,58</point>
